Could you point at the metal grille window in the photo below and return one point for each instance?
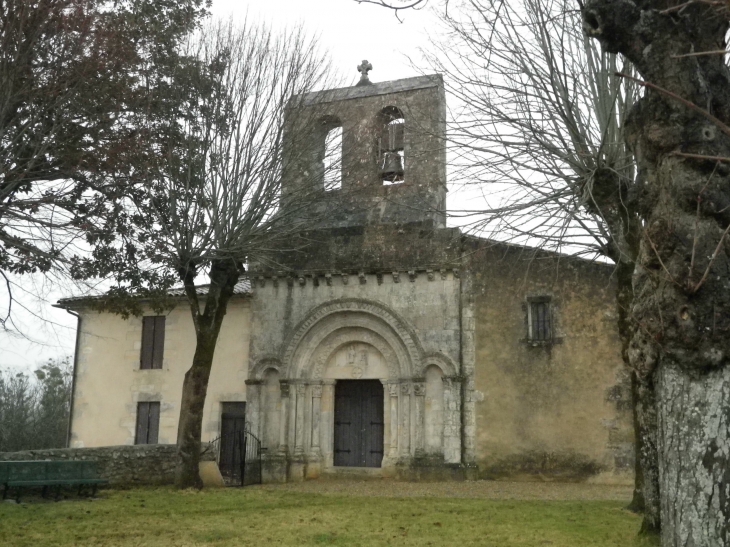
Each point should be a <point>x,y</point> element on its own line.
<point>148,423</point>
<point>153,342</point>
<point>540,321</point>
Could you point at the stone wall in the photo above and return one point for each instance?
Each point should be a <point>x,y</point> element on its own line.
<point>151,464</point>
<point>548,410</point>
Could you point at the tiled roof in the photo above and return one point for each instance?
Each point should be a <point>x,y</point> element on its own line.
<point>243,287</point>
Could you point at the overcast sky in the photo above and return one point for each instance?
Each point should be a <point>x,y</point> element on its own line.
<point>350,32</point>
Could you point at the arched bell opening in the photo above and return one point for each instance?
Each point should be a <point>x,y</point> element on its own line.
<point>391,145</point>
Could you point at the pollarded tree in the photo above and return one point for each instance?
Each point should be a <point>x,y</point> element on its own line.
<point>537,113</point>
<point>211,202</point>
<point>680,135</point>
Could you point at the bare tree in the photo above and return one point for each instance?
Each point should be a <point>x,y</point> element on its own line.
<point>537,114</point>
<point>680,134</point>
<point>211,204</point>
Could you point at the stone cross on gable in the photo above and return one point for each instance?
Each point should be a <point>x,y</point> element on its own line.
<point>363,68</point>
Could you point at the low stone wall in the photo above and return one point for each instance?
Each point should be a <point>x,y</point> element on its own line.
<point>150,464</point>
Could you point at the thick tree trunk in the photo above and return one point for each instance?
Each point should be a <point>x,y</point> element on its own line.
<point>612,199</point>
<point>694,434</point>
<point>195,388</point>
<point>645,428</point>
<point>681,309</point>
<point>223,278</point>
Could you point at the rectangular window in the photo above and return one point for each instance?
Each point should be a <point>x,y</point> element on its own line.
<point>148,423</point>
<point>540,324</point>
<point>153,342</point>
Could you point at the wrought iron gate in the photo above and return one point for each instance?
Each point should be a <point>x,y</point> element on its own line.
<point>239,457</point>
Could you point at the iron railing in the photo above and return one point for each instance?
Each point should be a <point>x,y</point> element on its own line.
<point>237,470</point>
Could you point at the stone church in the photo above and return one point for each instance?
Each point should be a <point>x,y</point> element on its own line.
<point>391,344</point>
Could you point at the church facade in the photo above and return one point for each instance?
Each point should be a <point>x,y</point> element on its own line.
<point>384,342</point>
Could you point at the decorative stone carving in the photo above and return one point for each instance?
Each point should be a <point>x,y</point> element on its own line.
<point>405,389</point>
<point>290,281</point>
<point>345,279</point>
<point>393,390</point>
<point>351,354</point>
<point>412,275</point>
<point>316,390</point>
<point>419,389</point>
<point>284,385</point>
<point>396,277</point>
<point>302,281</point>
<point>301,389</point>
<point>456,273</point>
<point>328,279</point>
<point>444,274</point>
<point>367,314</point>
<point>429,274</point>
<point>362,277</point>
<point>379,277</point>
<point>262,281</point>
<point>357,372</point>
<point>275,280</point>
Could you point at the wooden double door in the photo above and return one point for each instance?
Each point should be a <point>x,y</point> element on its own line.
<point>359,423</point>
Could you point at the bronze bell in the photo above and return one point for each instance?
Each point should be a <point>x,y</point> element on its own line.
<point>392,167</point>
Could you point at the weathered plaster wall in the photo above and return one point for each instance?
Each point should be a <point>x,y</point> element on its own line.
<point>109,382</point>
<point>550,411</point>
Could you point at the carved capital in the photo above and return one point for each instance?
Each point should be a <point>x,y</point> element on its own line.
<point>316,391</point>
<point>284,386</point>
<point>405,389</point>
<point>419,389</point>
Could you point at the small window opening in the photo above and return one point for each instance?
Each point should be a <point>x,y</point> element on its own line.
<point>391,158</point>
<point>540,323</point>
<point>332,161</point>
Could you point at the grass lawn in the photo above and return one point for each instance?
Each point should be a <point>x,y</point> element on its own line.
<point>260,517</point>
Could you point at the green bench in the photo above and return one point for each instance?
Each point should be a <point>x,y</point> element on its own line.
<point>47,474</point>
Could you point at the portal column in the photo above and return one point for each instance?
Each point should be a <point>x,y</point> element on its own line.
<point>299,432</point>
<point>393,397</point>
<point>296,430</point>
<point>452,419</point>
<point>419,401</point>
<point>253,406</point>
<point>327,419</point>
<point>405,420</point>
<point>284,425</point>
<point>314,463</point>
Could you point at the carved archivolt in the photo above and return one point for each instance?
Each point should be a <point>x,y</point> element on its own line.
<point>331,325</point>
<point>263,364</point>
<point>447,365</point>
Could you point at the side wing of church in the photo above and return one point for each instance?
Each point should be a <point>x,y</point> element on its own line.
<point>388,344</point>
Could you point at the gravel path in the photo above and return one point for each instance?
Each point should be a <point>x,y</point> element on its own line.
<point>495,490</point>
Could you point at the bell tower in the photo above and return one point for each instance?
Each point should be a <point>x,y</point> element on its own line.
<point>373,153</point>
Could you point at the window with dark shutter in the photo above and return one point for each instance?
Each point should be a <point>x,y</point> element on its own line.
<point>153,342</point>
<point>148,423</point>
<point>540,321</point>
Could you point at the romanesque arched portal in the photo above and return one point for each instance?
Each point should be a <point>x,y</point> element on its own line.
<point>349,341</point>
